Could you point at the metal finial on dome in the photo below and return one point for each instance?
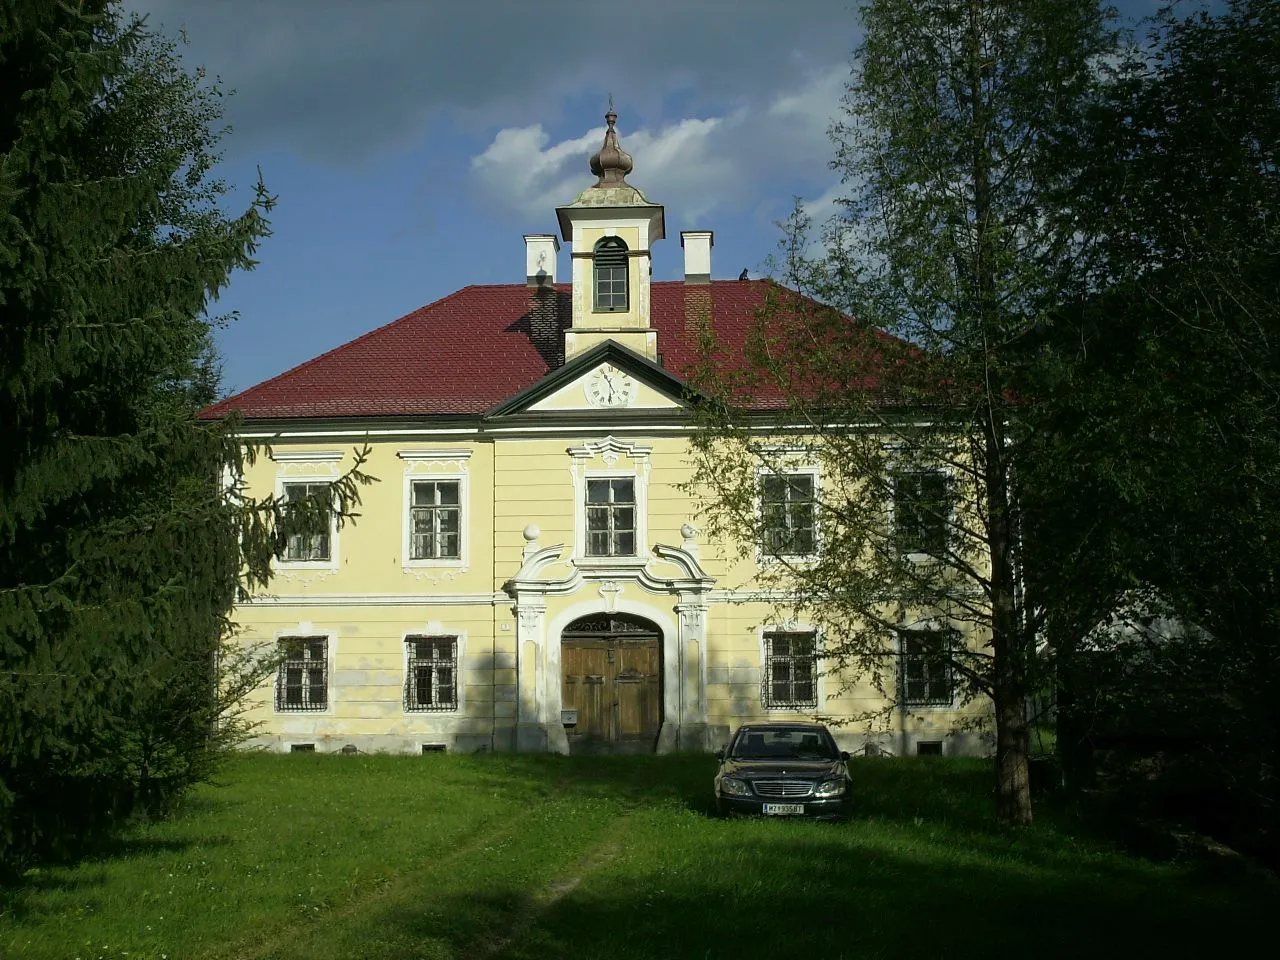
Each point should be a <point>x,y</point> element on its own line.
<point>610,163</point>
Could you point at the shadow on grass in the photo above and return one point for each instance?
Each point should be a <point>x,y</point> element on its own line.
<point>76,872</point>
<point>808,894</point>
<point>955,792</point>
<point>934,800</point>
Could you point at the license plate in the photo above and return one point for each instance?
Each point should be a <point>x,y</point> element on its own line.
<point>784,809</point>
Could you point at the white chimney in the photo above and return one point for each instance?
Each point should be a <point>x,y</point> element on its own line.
<point>540,250</point>
<point>697,255</point>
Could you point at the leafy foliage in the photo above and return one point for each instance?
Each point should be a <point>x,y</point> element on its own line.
<point>120,548</point>
<point>953,243</point>
<point>1157,462</point>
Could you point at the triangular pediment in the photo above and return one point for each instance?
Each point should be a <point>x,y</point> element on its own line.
<point>606,379</point>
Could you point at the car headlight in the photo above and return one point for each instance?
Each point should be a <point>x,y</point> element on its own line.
<point>830,788</point>
<point>734,788</point>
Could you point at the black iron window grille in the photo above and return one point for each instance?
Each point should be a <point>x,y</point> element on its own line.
<point>921,511</point>
<point>926,669</point>
<point>611,517</point>
<point>787,504</point>
<point>431,680</point>
<point>302,681</point>
<point>790,670</point>
<point>310,544</point>
<point>610,264</point>
<point>436,517</point>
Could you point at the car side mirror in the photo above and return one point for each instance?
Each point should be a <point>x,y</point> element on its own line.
<point>844,754</point>
<point>720,754</point>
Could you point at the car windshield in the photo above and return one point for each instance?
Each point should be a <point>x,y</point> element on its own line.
<point>782,743</point>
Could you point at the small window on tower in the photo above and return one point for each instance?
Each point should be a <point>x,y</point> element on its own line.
<point>610,264</point>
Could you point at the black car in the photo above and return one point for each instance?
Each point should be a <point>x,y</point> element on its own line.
<point>784,769</point>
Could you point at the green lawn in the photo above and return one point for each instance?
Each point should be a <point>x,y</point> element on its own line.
<point>510,856</point>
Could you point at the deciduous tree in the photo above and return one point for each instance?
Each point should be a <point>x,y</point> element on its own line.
<point>953,244</point>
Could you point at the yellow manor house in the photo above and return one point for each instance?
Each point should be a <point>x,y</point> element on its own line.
<point>528,574</point>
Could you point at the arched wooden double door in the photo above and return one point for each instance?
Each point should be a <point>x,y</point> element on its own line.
<point>611,667</point>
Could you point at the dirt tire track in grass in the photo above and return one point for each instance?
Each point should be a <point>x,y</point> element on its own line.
<point>546,898</point>
<point>266,946</point>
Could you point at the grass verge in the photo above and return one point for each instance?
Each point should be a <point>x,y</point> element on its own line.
<point>518,856</point>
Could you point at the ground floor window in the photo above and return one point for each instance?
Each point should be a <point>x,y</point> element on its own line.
<point>431,679</point>
<point>790,670</point>
<point>926,669</point>
<point>302,681</point>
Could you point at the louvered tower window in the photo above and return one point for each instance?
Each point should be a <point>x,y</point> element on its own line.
<point>611,274</point>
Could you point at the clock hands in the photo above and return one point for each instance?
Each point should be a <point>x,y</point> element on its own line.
<point>611,388</point>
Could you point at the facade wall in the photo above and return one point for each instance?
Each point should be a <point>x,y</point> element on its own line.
<point>523,497</point>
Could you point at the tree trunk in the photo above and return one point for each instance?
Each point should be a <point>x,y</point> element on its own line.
<point>1009,689</point>
<point>1013,781</point>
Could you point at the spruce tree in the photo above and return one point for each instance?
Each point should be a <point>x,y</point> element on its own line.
<point>119,550</point>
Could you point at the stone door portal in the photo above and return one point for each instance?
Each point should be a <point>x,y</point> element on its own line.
<point>612,683</point>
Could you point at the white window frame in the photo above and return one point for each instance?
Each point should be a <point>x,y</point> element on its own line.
<point>452,709</point>
<point>924,628</point>
<point>334,561</point>
<point>300,631</point>
<point>610,452</point>
<point>434,722</point>
<point>948,472</point>
<point>819,692</point>
<point>635,518</point>
<point>765,557</point>
<point>430,466</point>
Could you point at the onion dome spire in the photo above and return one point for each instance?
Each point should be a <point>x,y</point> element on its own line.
<point>610,163</point>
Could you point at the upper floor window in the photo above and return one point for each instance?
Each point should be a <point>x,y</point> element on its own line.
<point>926,668</point>
<point>436,518</point>
<point>313,543</point>
<point>302,681</point>
<point>611,270</point>
<point>787,503</point>
<point>790,670</point>
<point>611,517</point>
<point>921,512</point>
<point>431,676</point>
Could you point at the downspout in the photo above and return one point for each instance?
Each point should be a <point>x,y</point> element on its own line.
<point>493,606</point>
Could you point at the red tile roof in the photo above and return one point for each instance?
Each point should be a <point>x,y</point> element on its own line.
<point>466,353</point>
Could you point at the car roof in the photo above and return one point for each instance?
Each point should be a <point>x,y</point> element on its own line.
<point>786,724</point>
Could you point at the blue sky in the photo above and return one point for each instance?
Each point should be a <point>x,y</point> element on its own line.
<point>411,144</point>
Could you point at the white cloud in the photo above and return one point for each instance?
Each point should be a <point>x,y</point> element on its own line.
<point>695,165</point>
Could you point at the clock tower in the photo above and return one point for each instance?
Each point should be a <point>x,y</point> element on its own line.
<point>610,229</point>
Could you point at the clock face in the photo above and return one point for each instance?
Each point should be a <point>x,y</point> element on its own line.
<point>610,387</point>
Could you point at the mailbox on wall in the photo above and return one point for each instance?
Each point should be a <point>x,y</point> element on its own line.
<point>569,718</point>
